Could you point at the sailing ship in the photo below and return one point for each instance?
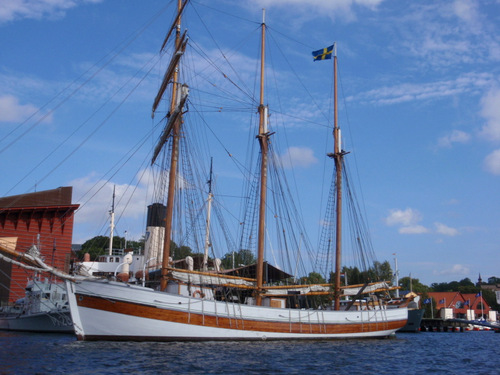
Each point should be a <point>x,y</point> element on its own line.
<point>210,303</point>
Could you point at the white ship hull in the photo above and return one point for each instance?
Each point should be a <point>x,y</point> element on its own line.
<point>103,310</point>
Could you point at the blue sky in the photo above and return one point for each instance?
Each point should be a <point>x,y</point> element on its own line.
<point>420,110</point>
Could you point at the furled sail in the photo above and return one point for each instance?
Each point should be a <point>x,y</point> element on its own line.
<point>201,278</point>
<point>174,24</point>
<point>174,116</point>
<point>170,71</point>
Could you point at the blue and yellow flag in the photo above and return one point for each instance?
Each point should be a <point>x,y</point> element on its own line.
<point>323,54</point>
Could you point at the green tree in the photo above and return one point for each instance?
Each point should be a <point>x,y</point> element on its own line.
<point>353,276</point>
<point>238,258</point>
<point>137,246</point>
<point>313,278</point>
<point>96,246</point>
<point>383,271</point>
<point>406,283</point>
<point>444,287</point>
<point>463,286</point>
<point>179,252</point>
<point>99,245</point>
<point>377,272</point>
<point>493,280</point>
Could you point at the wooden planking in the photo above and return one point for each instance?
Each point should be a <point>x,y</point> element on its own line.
<point>170,315</point>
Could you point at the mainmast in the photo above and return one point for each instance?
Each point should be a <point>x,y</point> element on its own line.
<point>207,230</point>
<point>338,156</point>
<point>173,160</point>
<point>263,137</point>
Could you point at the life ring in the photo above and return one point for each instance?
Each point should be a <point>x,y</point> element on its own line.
<point>198,293</point>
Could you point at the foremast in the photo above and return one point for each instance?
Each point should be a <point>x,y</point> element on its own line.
<point>263,138</point>
<point>172,129</point>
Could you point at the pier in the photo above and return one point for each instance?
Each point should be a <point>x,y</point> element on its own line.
<point>453,325</point>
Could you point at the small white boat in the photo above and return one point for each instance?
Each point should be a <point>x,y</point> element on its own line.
<point>44,308</point>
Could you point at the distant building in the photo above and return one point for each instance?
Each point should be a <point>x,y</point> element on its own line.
<point>462,306</point>
<point>494,288</point>
<point>44,219</point>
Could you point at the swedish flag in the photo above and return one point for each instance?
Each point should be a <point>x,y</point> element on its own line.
<point>323,54</point>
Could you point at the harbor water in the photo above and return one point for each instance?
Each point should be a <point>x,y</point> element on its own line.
<point>407,353</point>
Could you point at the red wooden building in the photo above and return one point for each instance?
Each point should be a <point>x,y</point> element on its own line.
<point>44,219</point>
<point>465,306</point>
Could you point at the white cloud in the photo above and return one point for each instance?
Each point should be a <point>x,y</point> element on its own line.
<point>407,220</point>
<point>298,157</point>
<point>320,6</point>
<point>456,136</point>
<point>310,9</point>
<point>406,92</point>
<point>492,162</point>
<point>466,10</point>
<point>37,9</point>
<point>407,217</point>
<point>12,111</point>
<point>455,270</point>
<point>95,199</point>
<point>446,230</point>
<point>443,34</point>
<point>490,110</point>
<point>413,229</point>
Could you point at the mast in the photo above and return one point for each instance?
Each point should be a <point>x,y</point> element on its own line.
<point>172,177</point>
<point>207,231</point>
<point>112,223</point>
<point>264,146</point>
<point>396,275</point>
<point>338,156</point>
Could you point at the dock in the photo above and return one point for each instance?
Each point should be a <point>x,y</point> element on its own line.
<point>454,325</point>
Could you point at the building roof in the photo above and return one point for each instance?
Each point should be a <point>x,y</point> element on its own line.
<point>446,299</point>
<point>459,302</point>
<point>55,197</point>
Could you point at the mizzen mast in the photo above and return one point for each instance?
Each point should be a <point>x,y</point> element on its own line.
<point>338,156</point>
